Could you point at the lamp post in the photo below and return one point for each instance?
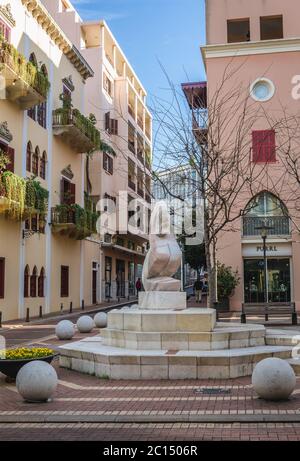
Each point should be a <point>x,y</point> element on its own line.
<point>264,234</point>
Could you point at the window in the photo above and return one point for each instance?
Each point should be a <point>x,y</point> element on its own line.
<point>107,85</point>
<point>131,174</point>
<point>238,30</point>
<point>42,114</point>
<point>28,156</point>
<point>34,223</point>
<point>43,163</point>
<point>271,27</point>
<point>33,280</point>
<point>35,161</point>
<point>140,182</point>
<point>5,30</point>
<point>10,152</point>
<point>68,192</point>
<point>263,146</point>
<point>111,125</point>
<point>64,282</point>
<point>108,163</point>
<point>26,281</point>
<point>41,283</point>
<point>131,138</point>
<point>262,90</point>
<point>2,277</point>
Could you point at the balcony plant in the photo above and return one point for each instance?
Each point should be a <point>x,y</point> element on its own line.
<point>83,219</point>
<point>13,189</point>
<point>12,360</point>
<point>228,280</point>
<point>27,71</point>
<point>36,197</point>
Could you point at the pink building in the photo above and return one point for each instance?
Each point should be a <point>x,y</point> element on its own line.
<point>260,40</point>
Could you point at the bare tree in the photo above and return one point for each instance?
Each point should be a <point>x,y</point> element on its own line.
<point>215,140</point>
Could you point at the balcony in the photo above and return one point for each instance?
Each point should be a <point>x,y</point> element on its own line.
<point>73,222</point>
<point>23,82</point>
<point>76,130</point>
<point>131,111</point>
<point>140,122</point>
<point>12,196</point>
<point>280,226</point>
<point>140,191</point>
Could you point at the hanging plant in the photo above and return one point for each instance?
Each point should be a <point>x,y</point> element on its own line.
<point>14,189</point>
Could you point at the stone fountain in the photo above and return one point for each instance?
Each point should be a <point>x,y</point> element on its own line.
<point>163,339</point>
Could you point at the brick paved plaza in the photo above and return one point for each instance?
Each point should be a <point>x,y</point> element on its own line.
<point>88,408</point>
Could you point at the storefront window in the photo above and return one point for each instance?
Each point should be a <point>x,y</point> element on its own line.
<point>279,283</point>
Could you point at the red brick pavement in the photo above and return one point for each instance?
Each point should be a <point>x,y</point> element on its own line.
<point>78,395</point>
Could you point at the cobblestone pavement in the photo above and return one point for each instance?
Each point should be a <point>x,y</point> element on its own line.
<point>87,408</point>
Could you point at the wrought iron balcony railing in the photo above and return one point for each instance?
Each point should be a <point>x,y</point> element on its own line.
<point>279,226</point>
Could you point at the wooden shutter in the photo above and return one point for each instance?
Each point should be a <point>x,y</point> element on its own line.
<point>263,146</point>
<point>41,280</point>
<point>2,277</point>
<point>33,278</point>
<point>107,121</point>
<point>64,282</point>
<point>114,126</point>
<point>11,156</point>
<point>110,165</point>
<point>72,193</point>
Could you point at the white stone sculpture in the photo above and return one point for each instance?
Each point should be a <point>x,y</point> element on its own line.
<point>65,330</point>
<point>100,320</point>
<point>273,379</point>
<point>85,324</point>
<point>164,257</point>
<point>36,381</point>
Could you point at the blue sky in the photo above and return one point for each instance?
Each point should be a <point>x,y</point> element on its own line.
<point>169,31</point>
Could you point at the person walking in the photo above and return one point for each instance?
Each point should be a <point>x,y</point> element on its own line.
<point>138,286</point>
<point>198,287</point>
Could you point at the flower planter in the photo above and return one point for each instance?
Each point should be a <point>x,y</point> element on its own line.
<point>10,368</point>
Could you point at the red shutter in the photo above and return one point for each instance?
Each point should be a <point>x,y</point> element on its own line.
<point>62,192</point>
<point>263,146</point>
<point>2,277</point>
<point>64,282</point>
<point>33,285</point>
<point>11,156</point>
<point>72,193</point>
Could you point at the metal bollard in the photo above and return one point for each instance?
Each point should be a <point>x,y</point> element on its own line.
<point>82,305</point>
<point>71,307</point>
<point>61,308</point>
<point>0,319</point>
<point>41,312</point>
<point>27,315</point>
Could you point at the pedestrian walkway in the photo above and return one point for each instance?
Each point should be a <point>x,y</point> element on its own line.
<point>88,408</point>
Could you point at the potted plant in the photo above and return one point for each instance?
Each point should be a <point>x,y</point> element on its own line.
<point>227,282</point>
<point>12,360</point>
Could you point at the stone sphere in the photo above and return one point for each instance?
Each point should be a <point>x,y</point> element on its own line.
<point>36,381</point>
<point>65,330</point>
<point>100,320</point>
<point>85,324</point>
<point>273,379</point>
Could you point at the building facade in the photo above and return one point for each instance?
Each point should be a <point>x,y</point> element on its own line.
<point>50,251</point>
<point>260,41</point>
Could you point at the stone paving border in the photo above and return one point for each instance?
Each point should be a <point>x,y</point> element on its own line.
<point>150,419</point>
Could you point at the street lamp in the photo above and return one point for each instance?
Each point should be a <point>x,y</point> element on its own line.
<point>264,234</point>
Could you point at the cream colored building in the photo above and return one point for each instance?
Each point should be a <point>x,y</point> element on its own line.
<point>50,259</point>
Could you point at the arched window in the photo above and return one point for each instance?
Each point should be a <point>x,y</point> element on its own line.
<point>41,284</point>
<point>28,156</point>
<point>44,70</point>
<point>43,163</point>
<point>35,161</point>
<point>265,209</point>
<point>26,281</point>
<point>33,60</point>
<point>33,280</point>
